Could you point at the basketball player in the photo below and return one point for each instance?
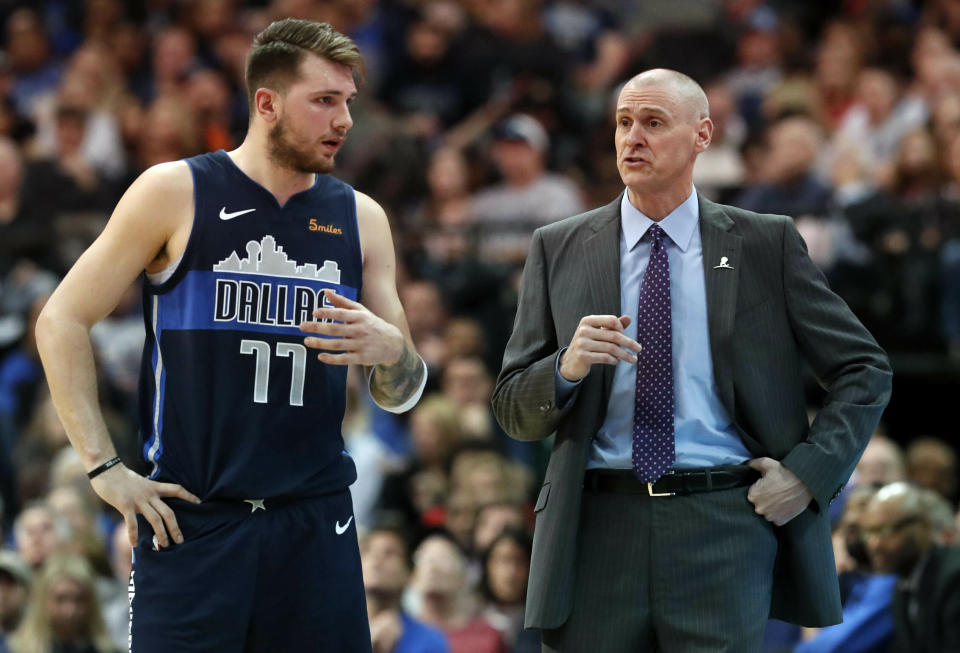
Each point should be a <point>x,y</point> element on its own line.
<point>265,279</point>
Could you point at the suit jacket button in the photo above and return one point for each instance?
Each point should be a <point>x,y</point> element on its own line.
<point>545,406</point>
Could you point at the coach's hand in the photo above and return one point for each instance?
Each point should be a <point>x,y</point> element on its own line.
<point>364,338</point>
<point>598,339</point>
<point>131,493</point>
<point>779,495</point>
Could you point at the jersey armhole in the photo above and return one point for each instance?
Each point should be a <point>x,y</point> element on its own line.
<point>171,276</point>
<point>357,245</point>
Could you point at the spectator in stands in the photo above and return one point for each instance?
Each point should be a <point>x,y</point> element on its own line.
<point>758,69</point>
<point>423,303</point>
<point>64,183</point>
<point>839,58</point>
<point>63,613</point>
<point>445,205</point>
<point>208,96</point>
<point>880,117</point>
<point>932,464</point>
<point>468,383</point>
<point>505,569</point>
<point>486,475</point>
<point>41,441</point>
<point>444,598</point>
<point>950,249</point>
<point>494,518</point>
<point>791,186</point>
<point>881,463</point>
<point>93,85</point>
<point>114,593</point>
<point>24,231</point>
<point>37,534</point>
<point>899,534</point>
<point>598,48</point>
<point>174,52</point>
<point>418,492</point>
<point>940,513</point>
<point>719,171</point>
<point>459,516</point>
<point>166,133</point>
<point>21,378</point>
<point>529,196</point>
<point>945,118</point>
<point>35,72</point>
<point>903,224</point>
<point>867,625</point>
<point>425,84</point>
<point>386,570</point>
<point>463,338</point>
<point>75,506</point>
<point>15,578</point>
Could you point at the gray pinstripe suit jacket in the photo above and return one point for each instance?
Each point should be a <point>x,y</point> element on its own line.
<point>766,316</point>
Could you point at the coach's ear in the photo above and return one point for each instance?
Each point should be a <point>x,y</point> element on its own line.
<point>266,102</point>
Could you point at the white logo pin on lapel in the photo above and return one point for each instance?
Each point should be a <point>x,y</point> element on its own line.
<point>723,264</point>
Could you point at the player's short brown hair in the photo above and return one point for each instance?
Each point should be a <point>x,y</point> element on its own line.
<point>278,50</point>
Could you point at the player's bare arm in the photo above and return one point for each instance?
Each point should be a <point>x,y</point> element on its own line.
<point>375,333</point>
<point>148,229</point>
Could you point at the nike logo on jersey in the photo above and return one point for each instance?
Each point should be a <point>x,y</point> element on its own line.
<point>230,216</point>
<point>343,529</point>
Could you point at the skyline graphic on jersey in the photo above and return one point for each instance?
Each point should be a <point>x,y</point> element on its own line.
<point>268,258</point>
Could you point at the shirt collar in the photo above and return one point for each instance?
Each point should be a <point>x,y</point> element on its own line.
<point>678,225</point>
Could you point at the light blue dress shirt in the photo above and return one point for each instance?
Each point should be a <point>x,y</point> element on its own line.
<point>704,434</point>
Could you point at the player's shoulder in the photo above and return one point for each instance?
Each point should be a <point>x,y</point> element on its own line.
<point>370,214</point>
<point>160,199</point>
<point>169,180</point>
<point>366,203</point>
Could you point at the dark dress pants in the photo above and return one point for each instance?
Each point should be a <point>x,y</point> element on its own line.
<point>682,574</point>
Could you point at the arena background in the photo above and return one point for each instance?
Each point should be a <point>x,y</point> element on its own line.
<point>480,120</point>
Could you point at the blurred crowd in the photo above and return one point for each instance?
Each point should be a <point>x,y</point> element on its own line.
<point>480,120</point>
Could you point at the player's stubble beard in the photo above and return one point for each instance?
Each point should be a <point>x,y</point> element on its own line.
<point>285,152</point>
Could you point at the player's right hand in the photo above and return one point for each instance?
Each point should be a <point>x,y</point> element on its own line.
<point>598,339</point>
<point>131,494</point>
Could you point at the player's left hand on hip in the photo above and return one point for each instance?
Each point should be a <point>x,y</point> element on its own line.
<point>359,336</point>
<point>779,495</point>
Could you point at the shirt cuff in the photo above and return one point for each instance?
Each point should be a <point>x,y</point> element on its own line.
<point>409,403</point>
<point>565,388</point>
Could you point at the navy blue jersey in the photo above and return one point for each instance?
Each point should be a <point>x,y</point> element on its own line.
<point>232,404</point>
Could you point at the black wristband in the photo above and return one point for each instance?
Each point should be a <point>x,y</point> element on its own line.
<point>96,471</point>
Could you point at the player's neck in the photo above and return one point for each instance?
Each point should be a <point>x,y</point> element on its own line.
<point>283,183</point>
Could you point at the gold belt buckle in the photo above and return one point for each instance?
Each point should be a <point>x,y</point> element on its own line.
<point>657,494</point>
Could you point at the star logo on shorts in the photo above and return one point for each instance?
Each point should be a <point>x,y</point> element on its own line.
<point>256,504</point>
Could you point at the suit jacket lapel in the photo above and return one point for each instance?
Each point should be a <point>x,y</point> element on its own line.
<point>601,259</point>
<point>719,240</point>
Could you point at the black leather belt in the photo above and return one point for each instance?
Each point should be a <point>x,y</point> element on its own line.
<point>675,482</point>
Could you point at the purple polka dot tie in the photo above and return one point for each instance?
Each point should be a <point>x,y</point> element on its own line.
<point>653,449</point>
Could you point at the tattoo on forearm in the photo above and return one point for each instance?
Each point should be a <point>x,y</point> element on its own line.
<point>392,385</point>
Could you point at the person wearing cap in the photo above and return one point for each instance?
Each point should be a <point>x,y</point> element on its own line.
<point>662,337</point>
<point>528,197</point>
<point>14,589</point>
